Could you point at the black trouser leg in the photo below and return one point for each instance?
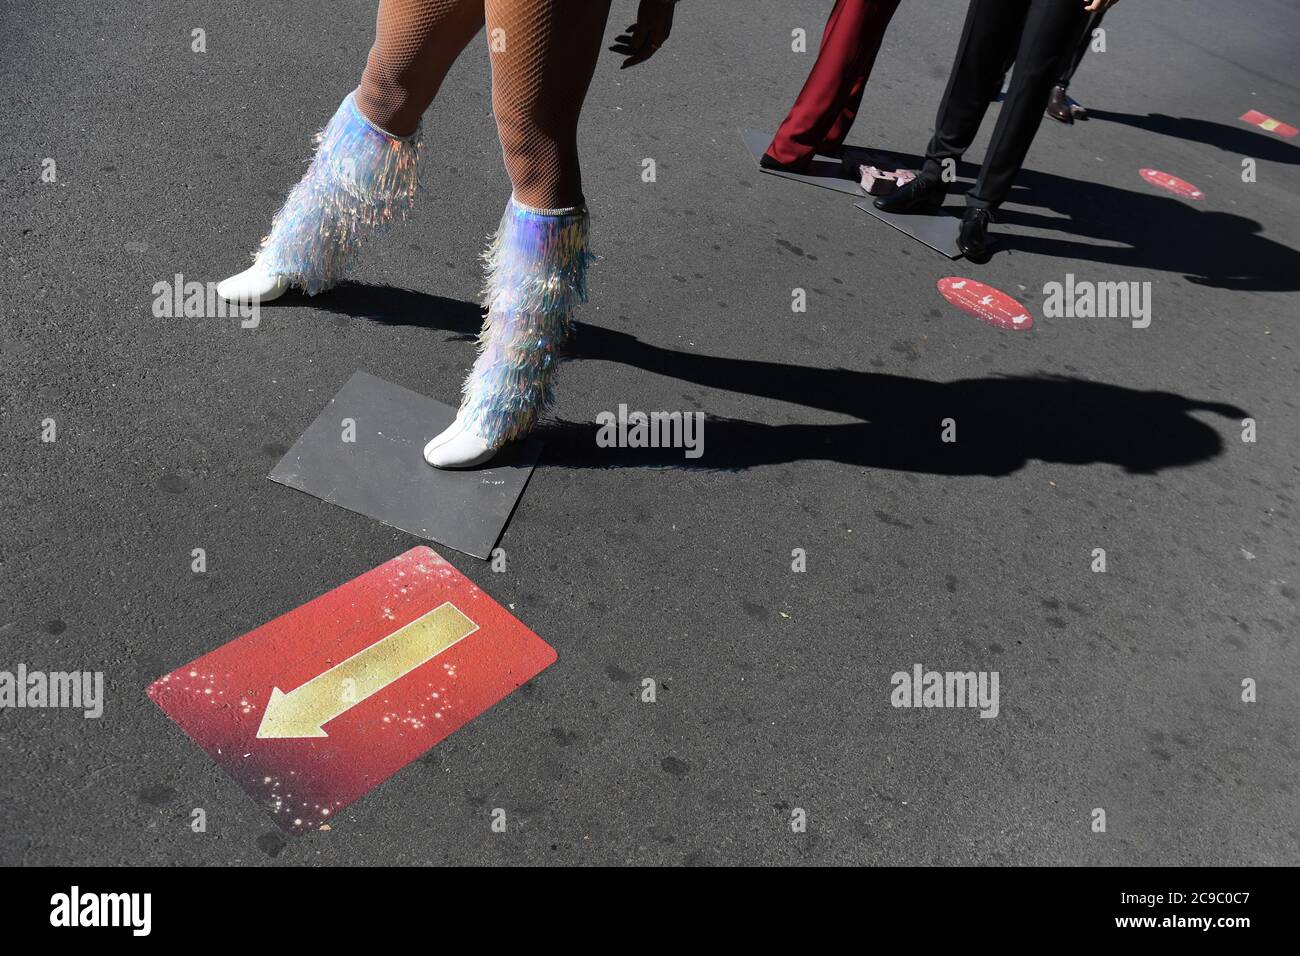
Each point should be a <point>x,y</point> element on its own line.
<point>1051,29</point>
<point>987,42</point>
<point>1085,41</point>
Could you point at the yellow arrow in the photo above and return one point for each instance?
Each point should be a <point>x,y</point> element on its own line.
<point>305,710</point>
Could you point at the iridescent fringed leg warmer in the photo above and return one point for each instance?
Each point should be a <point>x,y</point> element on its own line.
<point>536,277</point>
<point>359,181</point>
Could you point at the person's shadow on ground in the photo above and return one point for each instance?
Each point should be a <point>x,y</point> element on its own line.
<point>1001,422</point>
<point>1137,229</point>
<point>1208,248</point>
<point>1237,140</point>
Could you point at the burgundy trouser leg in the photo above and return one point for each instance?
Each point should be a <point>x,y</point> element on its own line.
<point>828,103</point>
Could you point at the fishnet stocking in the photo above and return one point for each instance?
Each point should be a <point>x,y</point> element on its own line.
<point>416,42</point>
<point>543,55</point>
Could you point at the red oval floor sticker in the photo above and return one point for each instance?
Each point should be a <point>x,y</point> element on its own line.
<point>1179,187</point>
<point>986,303</point>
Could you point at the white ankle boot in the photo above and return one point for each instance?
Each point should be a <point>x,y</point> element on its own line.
<point>458,446</point>
<point>254,284</point>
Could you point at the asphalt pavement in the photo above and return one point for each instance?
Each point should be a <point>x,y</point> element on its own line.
<point>1120,690</point>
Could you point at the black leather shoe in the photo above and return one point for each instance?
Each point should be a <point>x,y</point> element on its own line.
<point>1058,106</point>
<point>972,240</point>
<point>775,165</point>
<point>920,195</point>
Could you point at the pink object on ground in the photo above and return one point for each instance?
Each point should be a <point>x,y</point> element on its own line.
<point>878,182</point>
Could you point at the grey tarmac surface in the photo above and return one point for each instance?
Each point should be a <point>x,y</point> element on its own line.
<point>1118,690</point>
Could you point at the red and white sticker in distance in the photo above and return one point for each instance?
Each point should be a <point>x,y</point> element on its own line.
<point>1179,187</point>
<point>313,709</point>
<point>1266,122</point>
<point>989,305</point>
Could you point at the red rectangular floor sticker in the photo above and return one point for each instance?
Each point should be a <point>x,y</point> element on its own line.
<point>311,710</point>
<point>1264,121</point>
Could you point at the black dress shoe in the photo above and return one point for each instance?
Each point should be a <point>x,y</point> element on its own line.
<point>1058,106</point>
<point>920,195</point>
<point>768,161</point>
<point>972,240</point>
